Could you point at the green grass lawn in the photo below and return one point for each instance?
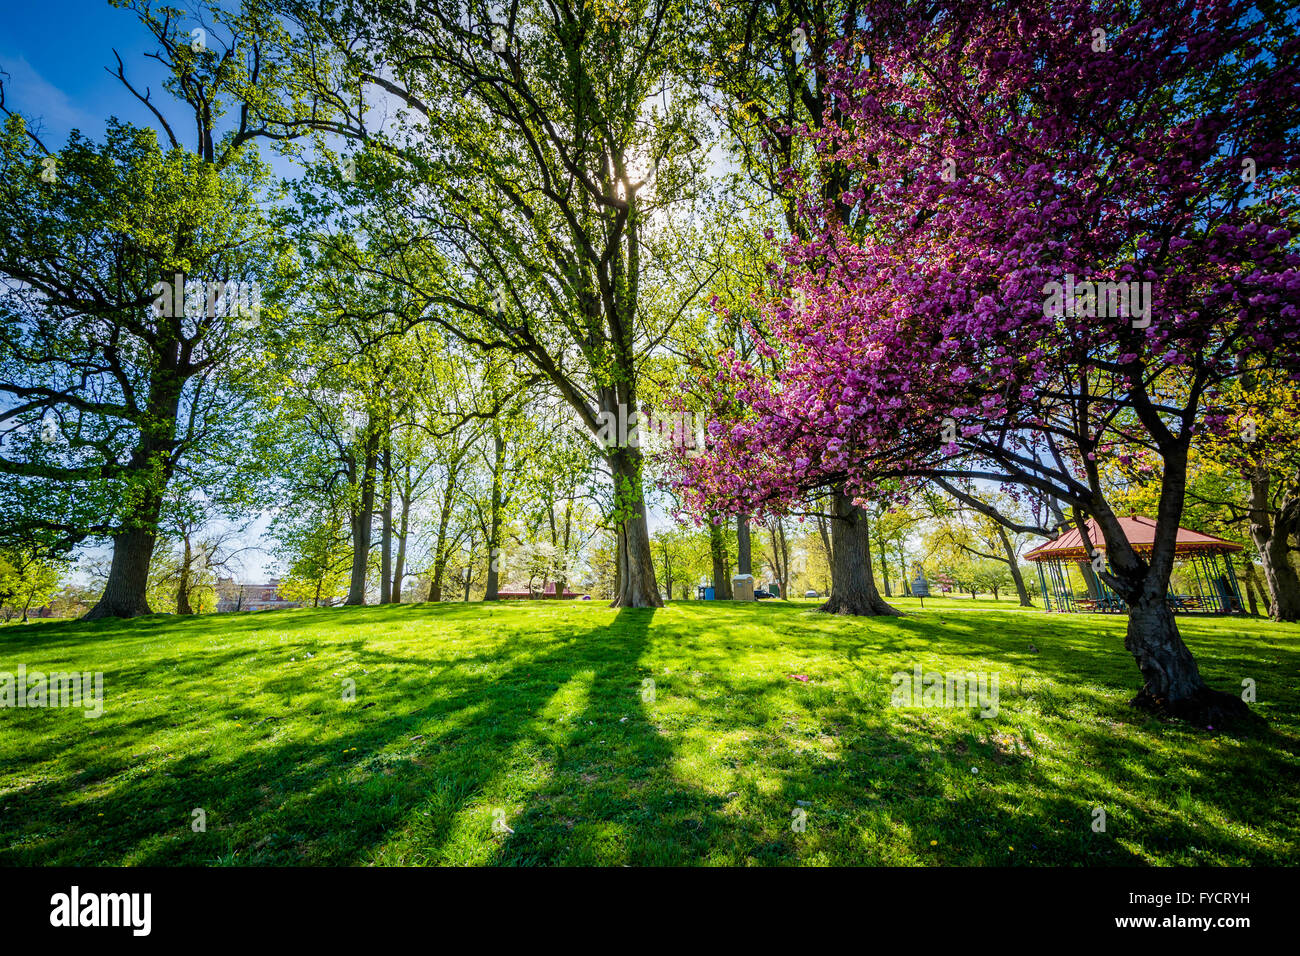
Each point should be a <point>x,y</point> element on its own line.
<point>536,714</point>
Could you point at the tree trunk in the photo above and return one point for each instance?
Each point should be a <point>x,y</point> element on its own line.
<point>884,569</point>
<point>780,555</point>
<point>1252,586</point>
<point>1090,580</point>
<point>561,551</point>
<point>183,586</point>
<point>1014,564</point>
<point>494,524</point>
<point>718,551</point>
<point>853,587</point>
<point>562,571</point>
<point>636,581</point>
<point>1283,583</point>
<point>469,567</point>
<point>743,558</point>
<point>403,532</point>
<point>128,577</point>
<point>386,534</point>
<point>1172,682</point>
<point>125,592</point>
<point>1270,533</point>
<point>620,564</point>
<point>440,545</point>
<point>361,519</point>
<point>491,590</point>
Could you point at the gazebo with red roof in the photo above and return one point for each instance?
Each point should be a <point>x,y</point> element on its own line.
<point>1213,580</point>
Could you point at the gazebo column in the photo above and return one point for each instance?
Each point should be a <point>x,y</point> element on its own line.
<point>1062,582</point>
<point>1232,582</point>
<point>1210,602</point>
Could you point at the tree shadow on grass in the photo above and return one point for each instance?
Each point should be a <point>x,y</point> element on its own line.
<point>416,763</point>
<point>553,731</point>
<point>608,793</point>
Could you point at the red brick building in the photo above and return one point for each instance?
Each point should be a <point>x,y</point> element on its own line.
<point>250,597</point>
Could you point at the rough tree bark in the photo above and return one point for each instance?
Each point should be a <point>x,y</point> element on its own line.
<point>361,519</point>
<point>884,569</point>
<point>1014,565</point>
<point>183,585</point>
<point>1271,532</point>
<point>1172,682</point>
<point>1253,587</point>
<point>128,576</point>
<point>743,546</point>
<point>125,592</point>
<point>403,532</point>
<point>718,551</point>
<point>853,586</point>
<point>636,571</point>
<point>386,533</point>
<point>492,588</point>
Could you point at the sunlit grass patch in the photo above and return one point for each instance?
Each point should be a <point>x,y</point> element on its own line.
<point>714,733</point>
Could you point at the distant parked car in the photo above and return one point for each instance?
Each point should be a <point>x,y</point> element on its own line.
<point>761,594</point>
<point>811,594</point>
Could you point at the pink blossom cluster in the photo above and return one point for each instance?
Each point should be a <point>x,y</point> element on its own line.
<point>993,150</point>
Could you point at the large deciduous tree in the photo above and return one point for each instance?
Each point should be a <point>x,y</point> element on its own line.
<point>105,391</point>
<point>540,147</point>
<point>106,383</point>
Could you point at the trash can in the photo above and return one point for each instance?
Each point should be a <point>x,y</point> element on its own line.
<point>709,594</point>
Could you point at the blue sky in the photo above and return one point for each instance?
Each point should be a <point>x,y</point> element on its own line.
<point>55,53</point>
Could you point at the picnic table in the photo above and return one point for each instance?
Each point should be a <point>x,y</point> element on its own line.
<point>1108,603</point>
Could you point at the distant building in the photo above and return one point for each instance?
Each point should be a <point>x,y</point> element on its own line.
<point>250,597</point>
<point>548,593</point>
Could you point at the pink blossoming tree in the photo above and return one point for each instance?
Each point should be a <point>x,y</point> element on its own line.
<point>1067,241</point>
